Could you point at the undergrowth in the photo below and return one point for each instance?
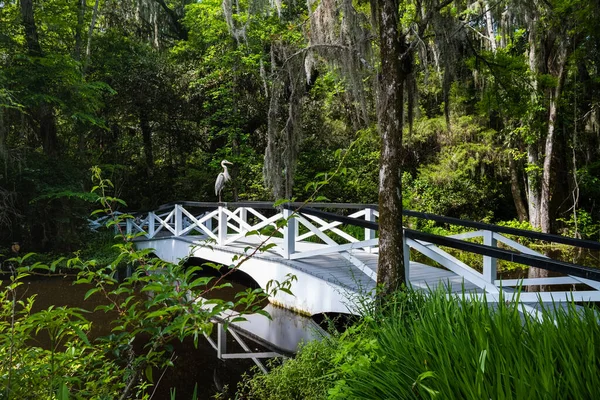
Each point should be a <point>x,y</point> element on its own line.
<point>438,346</point>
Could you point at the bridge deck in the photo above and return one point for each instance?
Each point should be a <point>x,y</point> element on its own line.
<point>336,269</point>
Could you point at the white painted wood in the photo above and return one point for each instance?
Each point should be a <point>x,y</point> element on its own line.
<point>254,356</point>
<point>467,235</point>
<point>178,220</point>
<point>260,216</point>
<point>453,264</point>
<point>544,297</point>
<point>325,226</point>
<point>163,222</point>
<point>330,267</point>
<point>151,218</point>
<point>257,227</point>
<point>289,233</point>
<point>589,282</point>
<point>517,246</point>
<point>407,270</point>
<point>360,265</point>
<point>490,264</point>
<point>203,224</point>
<point>222,227</point>
<point>559,280</point>
<point>221,341</point>
<point>369,214</point>
<point>335,248</point>
<point>316,231</point>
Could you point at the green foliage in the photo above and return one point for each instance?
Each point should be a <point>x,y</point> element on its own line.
<point>155,306</point>
<point>455,179</point>
<point>430,346</point>
<point>304,377</point>
<point>434,345</point>
<point>581,225</point>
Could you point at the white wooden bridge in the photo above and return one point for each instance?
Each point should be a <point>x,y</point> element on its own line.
<point>334,255</point>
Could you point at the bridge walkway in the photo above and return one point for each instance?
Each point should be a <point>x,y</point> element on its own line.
<point>338,270</point>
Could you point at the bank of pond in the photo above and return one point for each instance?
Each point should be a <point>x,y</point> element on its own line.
<point>412,345</point>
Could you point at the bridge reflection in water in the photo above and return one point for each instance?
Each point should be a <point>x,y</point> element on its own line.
<point>334,254</point>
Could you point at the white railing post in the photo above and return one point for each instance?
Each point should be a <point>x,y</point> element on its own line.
<point>222,238</point>
<point>221,339</point>
<point>209,222</point>
<point>369,233</point>
<point>178,220</point>
<point>489,263</point>
<point>289,233</point>
<point>243,217</point>
<point>151,220</point>
<point>129,225</point>
<point>406,250</point>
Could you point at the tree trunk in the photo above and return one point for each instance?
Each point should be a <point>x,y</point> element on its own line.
<point>533,186</point>
<point>81,4</point>
<point>545,219</point>
<point>548,51</point>
<point>88,48</point>
<point>391,268</point>
<point>147,140</point>
<point>31,36</point>
<point>174,21</point>
<point>43,114</point>
<point>515,189</point>
<point>489,23</point>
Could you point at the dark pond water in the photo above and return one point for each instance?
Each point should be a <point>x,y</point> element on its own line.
<point>193,366</point>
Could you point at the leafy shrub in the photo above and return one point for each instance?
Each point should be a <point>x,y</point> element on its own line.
<point>304,377</point>
<point>430,345</point>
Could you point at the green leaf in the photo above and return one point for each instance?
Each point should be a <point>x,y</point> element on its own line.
<point>63,392</point>
<point>82,335</point>
<point>149,373</point>
<point>90,292</point>
<point>280,202</point>
<point>264,313</point>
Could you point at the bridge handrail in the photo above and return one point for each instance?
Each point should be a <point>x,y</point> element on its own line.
<point>254,204</point>
<point>481,249</point>
<point>589,244</point>
<point>507,255</point>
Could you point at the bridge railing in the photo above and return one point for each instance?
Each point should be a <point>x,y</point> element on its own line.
<point>495,246</point>
<point>309,232</point>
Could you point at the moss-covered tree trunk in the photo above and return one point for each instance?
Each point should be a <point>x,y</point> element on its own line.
<point>391,269</point>
<point>41,115</point>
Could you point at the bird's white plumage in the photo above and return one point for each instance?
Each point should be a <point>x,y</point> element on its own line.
<point>222,178</point>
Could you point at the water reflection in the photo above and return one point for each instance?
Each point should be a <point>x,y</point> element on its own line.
<point>193,366</point>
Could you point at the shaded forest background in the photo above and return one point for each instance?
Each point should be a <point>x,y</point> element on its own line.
<point>501,104</point>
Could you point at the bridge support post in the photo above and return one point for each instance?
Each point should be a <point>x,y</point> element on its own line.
<point>489,263</point>
<point>222,226</point>
<point>289,234</point>
<point>129,226</point>
<point>178,220</point>
<point>243,217</point>
<point>209,222</point>
<point>221,341</point>
<point>369,233</point>
<point>406,251</point>
<point>151,221</point>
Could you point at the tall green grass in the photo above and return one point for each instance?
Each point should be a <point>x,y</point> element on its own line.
<point>423,346</point>
<point>436,346</point>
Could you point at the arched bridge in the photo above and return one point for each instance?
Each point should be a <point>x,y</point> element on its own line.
<point>332,250</point>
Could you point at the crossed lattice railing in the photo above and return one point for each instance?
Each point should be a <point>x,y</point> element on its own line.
<point>299,232</point>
